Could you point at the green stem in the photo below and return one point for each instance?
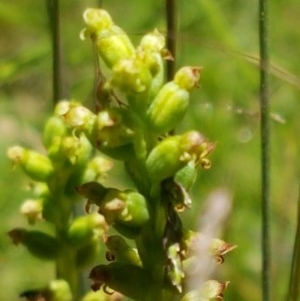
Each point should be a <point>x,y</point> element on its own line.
<point>54,23</point>
<point>265,147</point>
<point>294,288</point>
<point>171,36</point>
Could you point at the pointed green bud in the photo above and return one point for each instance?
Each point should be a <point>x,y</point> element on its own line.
<point>38,243</point>
<point>59,290</point>
<point>171,102</point>
<point>120,251</point>
<point>34,164</point>
<point>32,209</point>
<point>127,279</point>
<point>84,228</point>
<point>112,43</point>
<point>54,130</point>
<point>175,152</point>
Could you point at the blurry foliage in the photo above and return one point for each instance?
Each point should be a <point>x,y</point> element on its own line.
<point>220,36</point>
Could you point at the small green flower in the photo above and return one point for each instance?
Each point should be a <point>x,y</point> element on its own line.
<point>59,290</point>
<point>112,43</point>
<point>32,209</point>
<point>209,291</point>
<point>174,153</point>
<point>119,250</point>
<point>35,165</point>
<point>84,228</point>
<point>171,102</point>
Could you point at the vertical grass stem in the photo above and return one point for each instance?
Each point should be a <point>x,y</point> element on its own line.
<point>171,21</point>
<point>265,147</point>
<point>54,22</point>
<point>294,288</point>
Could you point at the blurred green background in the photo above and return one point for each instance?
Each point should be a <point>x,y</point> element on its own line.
<point>221,36</point>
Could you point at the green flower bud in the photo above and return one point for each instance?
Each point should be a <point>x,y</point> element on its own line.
<point>59,290</point>
<point>77,150</point>
<point>121,251</point>
<point>112,43</point>
<point>32,209</point>
<point>127,279</point>
<point>125,207</point>
<point>87,254</point>
<point>40,189</point>
<point>38,243</point>
<point>218,248</point>
<point>131,76</point>
<point>187,77</point>
<point>171,102</point>
<point>115,132</point>
<point>84,228</point>
<point>65,106</point>
<point>173,153</point>
<point>97,169</point>
<point>54,130</point>
<point>77,116</point>
<point>35,165</point>
<point>152,42</point>
<point>113,128</point>
<point>164,159</point>
<point>97,19</point>
<point>210,290</point>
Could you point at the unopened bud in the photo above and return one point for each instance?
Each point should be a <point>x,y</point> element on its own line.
<point>84,228</point>
<point>32,209</point>
<point>35,165</point>
<point>38,243</point>
<point>171,102</point>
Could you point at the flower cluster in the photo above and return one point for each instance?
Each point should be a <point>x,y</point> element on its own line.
<point>150,256</point>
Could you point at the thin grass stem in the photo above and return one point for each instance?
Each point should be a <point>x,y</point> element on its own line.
<point>265,147</point>
<point>171,21</point>
<point>54,23</point>
<point>294,288</point>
